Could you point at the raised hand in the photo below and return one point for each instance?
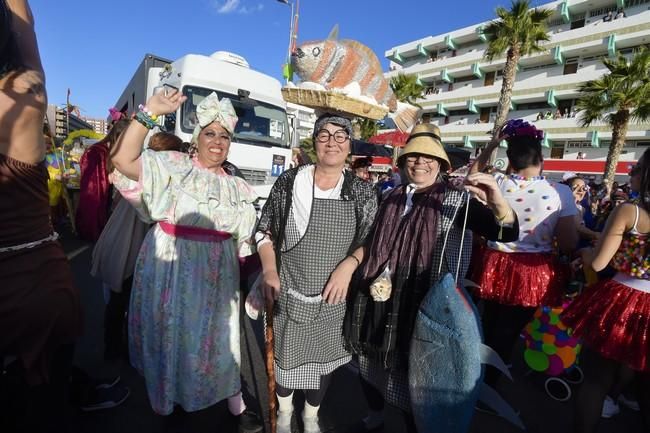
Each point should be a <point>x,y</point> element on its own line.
<point>165,102</point>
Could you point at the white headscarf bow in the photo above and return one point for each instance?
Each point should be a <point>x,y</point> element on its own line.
<point>211,109</point>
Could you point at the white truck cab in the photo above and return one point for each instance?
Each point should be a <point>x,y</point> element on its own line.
<point>261,145</point>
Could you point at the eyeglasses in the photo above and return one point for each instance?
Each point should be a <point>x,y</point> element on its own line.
<point>323,136</point>
<point>580,188</point>
<point>422,158</point>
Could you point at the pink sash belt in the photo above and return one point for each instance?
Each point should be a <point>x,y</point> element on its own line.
<point>194,233</point>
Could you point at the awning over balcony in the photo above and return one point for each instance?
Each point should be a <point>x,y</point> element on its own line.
<point>444,74</point>
<point>396,57</point>
<point>611,45</point>
<point>550,98</point>
<point>595,139</point>
<point>476,70</point>
<point>480,34</point>
<point>423,51</point>
<point>584,166</point>
<point>564,11</point>
<point>471,106</point>
<point>449,42</point>
<point>558,57</point>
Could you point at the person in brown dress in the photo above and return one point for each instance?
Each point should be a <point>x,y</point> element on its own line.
<point>40,312</point>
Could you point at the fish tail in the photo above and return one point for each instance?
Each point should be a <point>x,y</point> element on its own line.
<point>405,117</point>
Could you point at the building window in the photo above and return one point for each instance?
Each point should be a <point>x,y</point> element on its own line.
<point>464,79</point>
<point>604,10</point>
<point>533,105</point>
<point>556,22</point>
<point>570,68</point>
<point>463,112</point>
<point>532,68</point>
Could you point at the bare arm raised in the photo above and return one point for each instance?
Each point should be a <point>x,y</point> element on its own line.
<point>126,152</point>
<point>22,85</point>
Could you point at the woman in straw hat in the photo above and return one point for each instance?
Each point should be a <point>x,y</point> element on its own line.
<point>411,226</point>
<point>309,238</point>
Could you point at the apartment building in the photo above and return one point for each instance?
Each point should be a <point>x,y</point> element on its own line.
<point>59,121</point>
<point>100,126</point>
<point>302,119</point>
<point>462,87</point>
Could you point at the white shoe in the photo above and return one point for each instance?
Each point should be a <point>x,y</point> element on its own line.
<point>284,422</point>
<point>629,403</point>
<point>311,424</point>
<point>610,408</point>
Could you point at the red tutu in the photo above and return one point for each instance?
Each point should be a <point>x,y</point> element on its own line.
<point>613,320</point>
<point>523,279</point>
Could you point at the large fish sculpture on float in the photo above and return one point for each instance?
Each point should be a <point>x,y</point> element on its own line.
<point>445,363</point>
<point>353,68</point>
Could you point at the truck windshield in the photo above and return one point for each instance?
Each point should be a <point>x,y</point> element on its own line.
<point>259,123</point>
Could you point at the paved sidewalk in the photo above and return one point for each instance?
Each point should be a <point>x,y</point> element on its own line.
<point>344,404</point>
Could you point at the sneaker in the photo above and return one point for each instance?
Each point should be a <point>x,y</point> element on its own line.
<point>249,422</point>
<point>311,424</point>
<point>107,383</point>
<point>610,408</point>
<point>283,422</point>
<point>105,398</point>
<point>629,403</point>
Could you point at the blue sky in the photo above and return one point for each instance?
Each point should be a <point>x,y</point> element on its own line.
<point>93,47</point>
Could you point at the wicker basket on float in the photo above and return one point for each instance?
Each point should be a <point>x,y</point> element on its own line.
<point>333,102</point>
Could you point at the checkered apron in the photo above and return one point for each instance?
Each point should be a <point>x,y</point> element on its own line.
<point>308,331</point>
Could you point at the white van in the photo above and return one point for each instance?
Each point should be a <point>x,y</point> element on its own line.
<point>261,145</point>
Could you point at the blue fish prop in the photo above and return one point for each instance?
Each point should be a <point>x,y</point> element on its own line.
<point>445,363</point>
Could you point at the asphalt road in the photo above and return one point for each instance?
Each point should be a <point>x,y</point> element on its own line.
<point>344,404</point>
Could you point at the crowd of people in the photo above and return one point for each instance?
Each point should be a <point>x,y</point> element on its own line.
<point>175,226</point>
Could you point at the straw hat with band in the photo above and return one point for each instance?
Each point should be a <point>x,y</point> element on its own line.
<point>425,140</point>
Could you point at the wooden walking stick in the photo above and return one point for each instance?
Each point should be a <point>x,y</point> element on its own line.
<point>270,359</point>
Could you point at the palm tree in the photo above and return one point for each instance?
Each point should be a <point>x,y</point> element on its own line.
<point>307,145</point>
<point>367,127</point>
<point>407,89</point>
<point>517,32</point>
<point>618,97</point>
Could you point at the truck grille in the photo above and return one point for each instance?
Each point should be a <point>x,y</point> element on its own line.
<point>255,177</point>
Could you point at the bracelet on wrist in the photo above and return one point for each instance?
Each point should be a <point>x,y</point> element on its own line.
<point>145,120</point>
<point>148,112</point>
<point>355,258</point>
<point>506,215</point>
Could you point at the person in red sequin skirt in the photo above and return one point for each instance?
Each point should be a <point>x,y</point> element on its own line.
<point>613,317</point>
<point>514,278</point>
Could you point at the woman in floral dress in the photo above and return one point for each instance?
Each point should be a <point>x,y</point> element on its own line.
<point>184,310</point>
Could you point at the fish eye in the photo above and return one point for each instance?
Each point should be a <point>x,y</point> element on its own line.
<point>316,51</point>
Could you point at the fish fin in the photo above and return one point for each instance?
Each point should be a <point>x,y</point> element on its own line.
<point>490,357</point>
<point>470,283</point>
<point>405,116</point>
<point>334,33</point>
<point>492,399</point>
